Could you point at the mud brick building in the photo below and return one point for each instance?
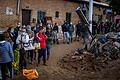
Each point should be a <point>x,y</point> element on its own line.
<point>27,11</point>
<point>31,11</point>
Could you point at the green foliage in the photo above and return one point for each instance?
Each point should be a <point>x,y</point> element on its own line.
<point>16,60</point>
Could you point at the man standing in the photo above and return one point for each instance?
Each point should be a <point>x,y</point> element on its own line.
<point>41,37</point>
<point>22,40</point>
<point>65,29</point>
<point>49,42</point>
<point>71,30</point>
<point>55,34</point>
<point>85,35</point>
<point>78,31</point>
<point>16,35</point>
<point>6,57</point>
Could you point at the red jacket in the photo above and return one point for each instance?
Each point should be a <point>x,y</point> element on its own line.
<point>42,39</point>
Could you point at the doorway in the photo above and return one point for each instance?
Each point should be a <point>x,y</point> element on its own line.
<point>68,16</point>
<point>26,17</point>
<point>41,16</point>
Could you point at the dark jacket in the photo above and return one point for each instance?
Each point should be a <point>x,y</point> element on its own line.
<point>49,36</point>
<point>55,28</point>
<point>16,33</point>
<point>79,27</point>
<point>65,27</point>
<point>71,28</point>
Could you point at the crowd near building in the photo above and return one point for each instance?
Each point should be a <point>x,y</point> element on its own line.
<point>34,26</point>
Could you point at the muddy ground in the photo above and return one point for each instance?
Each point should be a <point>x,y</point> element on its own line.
<point>57,69</point>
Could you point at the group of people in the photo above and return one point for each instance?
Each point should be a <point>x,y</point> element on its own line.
<point>105,27</point>
<point>39,39</point>
<point>27,40</point>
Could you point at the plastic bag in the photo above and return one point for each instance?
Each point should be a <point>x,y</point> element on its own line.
<point>30,74</point>
<point>37,45</point>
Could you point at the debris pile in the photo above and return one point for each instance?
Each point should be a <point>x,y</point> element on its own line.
<point>103,50</point>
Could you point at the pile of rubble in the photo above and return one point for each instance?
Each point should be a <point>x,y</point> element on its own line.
<point>78,62</point>
<point>102,50</point>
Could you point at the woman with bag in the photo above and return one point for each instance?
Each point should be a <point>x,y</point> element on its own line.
<point>29,46</point>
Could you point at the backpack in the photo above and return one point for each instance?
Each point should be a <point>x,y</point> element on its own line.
<point>24,38</point>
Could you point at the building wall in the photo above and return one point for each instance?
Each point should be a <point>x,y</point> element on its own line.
<point>8,20</point>
<point>50,7</point>
<point>97,12</point>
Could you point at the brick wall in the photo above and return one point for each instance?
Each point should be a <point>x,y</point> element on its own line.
<point>99,11</point>
<point>50,7</point>
<point>7,20</point>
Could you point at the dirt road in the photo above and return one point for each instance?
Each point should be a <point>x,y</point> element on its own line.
<point>53,70</point>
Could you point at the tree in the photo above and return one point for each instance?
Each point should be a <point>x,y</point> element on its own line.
<point>115,4</point>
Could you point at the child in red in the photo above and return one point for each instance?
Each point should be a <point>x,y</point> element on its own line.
<point>42,52</point>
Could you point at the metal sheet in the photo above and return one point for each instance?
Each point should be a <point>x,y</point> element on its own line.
<point>83,19</point>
